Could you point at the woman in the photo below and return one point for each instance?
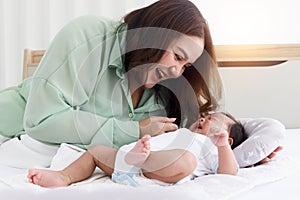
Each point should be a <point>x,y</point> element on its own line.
<point>110,83</point>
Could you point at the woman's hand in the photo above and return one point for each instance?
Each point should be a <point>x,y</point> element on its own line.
<point>156,125</point>
<point>269,157</point>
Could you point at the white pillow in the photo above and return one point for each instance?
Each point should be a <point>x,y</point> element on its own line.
<point>264,136</point>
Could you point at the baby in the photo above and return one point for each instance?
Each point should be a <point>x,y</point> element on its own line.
<point>169,158</point>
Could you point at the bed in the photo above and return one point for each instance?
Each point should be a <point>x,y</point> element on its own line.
<point>276,179</point>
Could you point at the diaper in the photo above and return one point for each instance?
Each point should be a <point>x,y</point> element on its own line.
<point>127,178</point>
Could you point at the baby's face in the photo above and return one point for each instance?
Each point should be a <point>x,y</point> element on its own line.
<point>213,122</point>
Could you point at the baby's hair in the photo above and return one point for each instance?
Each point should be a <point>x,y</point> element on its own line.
<point>237,131</point>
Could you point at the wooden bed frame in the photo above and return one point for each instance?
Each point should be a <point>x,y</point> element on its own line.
<point>32,59</point>
<point>227,55</point>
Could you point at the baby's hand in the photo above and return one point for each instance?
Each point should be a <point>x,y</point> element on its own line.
<point>218,136</point>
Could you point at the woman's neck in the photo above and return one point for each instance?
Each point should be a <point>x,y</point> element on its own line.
<point>136,96</point>
<point>136,90</point>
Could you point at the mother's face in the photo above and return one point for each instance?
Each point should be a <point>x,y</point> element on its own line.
<point>180,54</point>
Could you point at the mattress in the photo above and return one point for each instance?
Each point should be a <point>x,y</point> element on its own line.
<point>276,179</point>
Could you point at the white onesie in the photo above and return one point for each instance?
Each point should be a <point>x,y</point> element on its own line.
<point>201,146</point>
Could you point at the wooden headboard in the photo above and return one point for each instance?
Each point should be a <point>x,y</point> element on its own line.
<point>256,55</point>
<point>227,55</point>
<point>31,60</point>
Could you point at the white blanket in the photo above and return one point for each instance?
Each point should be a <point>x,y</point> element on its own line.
<point>210,187</point>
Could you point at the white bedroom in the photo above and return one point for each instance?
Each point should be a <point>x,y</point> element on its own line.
<point>257,60</point>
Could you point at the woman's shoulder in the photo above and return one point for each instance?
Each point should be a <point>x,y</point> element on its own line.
<point>95,19</point>
<point>96,22</point>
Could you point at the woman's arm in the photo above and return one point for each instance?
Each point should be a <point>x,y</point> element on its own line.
<point>62,102</point>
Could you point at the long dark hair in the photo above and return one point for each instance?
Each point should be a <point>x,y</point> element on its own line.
<point>180,16</point>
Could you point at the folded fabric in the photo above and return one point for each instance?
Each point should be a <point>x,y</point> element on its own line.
<point>65,155</point>
<point>26,152</point>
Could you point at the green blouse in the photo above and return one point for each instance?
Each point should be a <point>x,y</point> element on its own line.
<point>79,93</point>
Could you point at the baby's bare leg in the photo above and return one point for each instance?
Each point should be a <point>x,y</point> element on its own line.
<point>104,158</point>
<point>47,178</point>
<point>169,166</point>
<point>139,153</point>
<point>79,170</point>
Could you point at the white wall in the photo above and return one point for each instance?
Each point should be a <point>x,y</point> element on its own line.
<point>264,92</point>
<point>252,21</point>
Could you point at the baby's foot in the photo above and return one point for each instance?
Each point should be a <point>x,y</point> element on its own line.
<point>139,153</point>
<point>47,178</point>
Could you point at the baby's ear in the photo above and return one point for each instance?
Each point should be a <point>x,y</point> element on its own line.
<point>230,141</point>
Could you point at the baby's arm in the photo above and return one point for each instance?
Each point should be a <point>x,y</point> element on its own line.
<point>227,160</point>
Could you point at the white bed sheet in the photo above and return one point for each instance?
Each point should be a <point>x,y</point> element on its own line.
<point>276,180</point>
<point>288,187</point>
